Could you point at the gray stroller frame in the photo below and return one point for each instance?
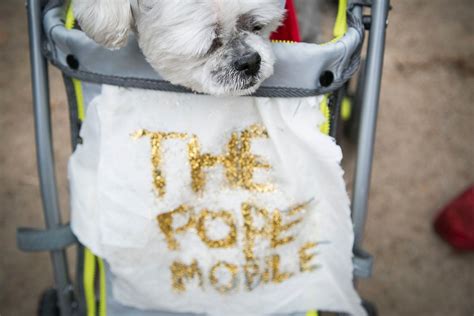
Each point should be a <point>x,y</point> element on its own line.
<point>66,295</point>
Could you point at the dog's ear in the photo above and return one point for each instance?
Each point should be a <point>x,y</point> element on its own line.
<point>108,22</point>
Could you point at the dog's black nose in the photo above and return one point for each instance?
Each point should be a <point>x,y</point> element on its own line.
<point>249,63</point>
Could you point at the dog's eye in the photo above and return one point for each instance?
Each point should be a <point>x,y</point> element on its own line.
<point>216,44</point>
<point>257,28</point>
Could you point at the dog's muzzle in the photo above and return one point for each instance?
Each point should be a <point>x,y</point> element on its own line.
<point>249,64</point>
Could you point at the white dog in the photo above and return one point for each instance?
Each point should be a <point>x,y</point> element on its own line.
<point>220,47</point>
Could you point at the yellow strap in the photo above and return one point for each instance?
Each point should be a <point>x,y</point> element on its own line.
<point>69,24</point>
<point>103,292</point>
<point>69,20</point>
<point>79,99</point>
<point>90,259</point>
<point>324,107</point>
<point>89,282</point>
<point>340,27</point>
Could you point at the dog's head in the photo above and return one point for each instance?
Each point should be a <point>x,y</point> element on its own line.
<point>219,47</point>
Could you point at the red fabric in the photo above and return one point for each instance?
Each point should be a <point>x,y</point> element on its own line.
<point>455,223</point>
<point>289,30</point>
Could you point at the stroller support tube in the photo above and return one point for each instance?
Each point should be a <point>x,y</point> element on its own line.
<point>44,151</point>
<point>370,105</point>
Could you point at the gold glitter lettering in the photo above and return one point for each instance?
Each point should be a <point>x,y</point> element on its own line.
<point>249,162</point>
<point>233,270</point>
<point>181,272</point>
<point>165,221</point>
<point>239,162</point>
<point>278,227</point>
<point>231,161</point>
<point>277,276</point>
<point>156,139</point>
<point>252,232</point>
<point>298,208</point>
<point>227,218</point>
<point>267,273</point>
<point>198,162</point>
<point>305,257</point>
<point>252,274</point>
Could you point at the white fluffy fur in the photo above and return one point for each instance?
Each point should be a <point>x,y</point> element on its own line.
<point>108,22</point>
<point>176,37</point>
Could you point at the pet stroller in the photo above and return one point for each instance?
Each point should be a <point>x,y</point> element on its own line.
<point>299,72</point>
